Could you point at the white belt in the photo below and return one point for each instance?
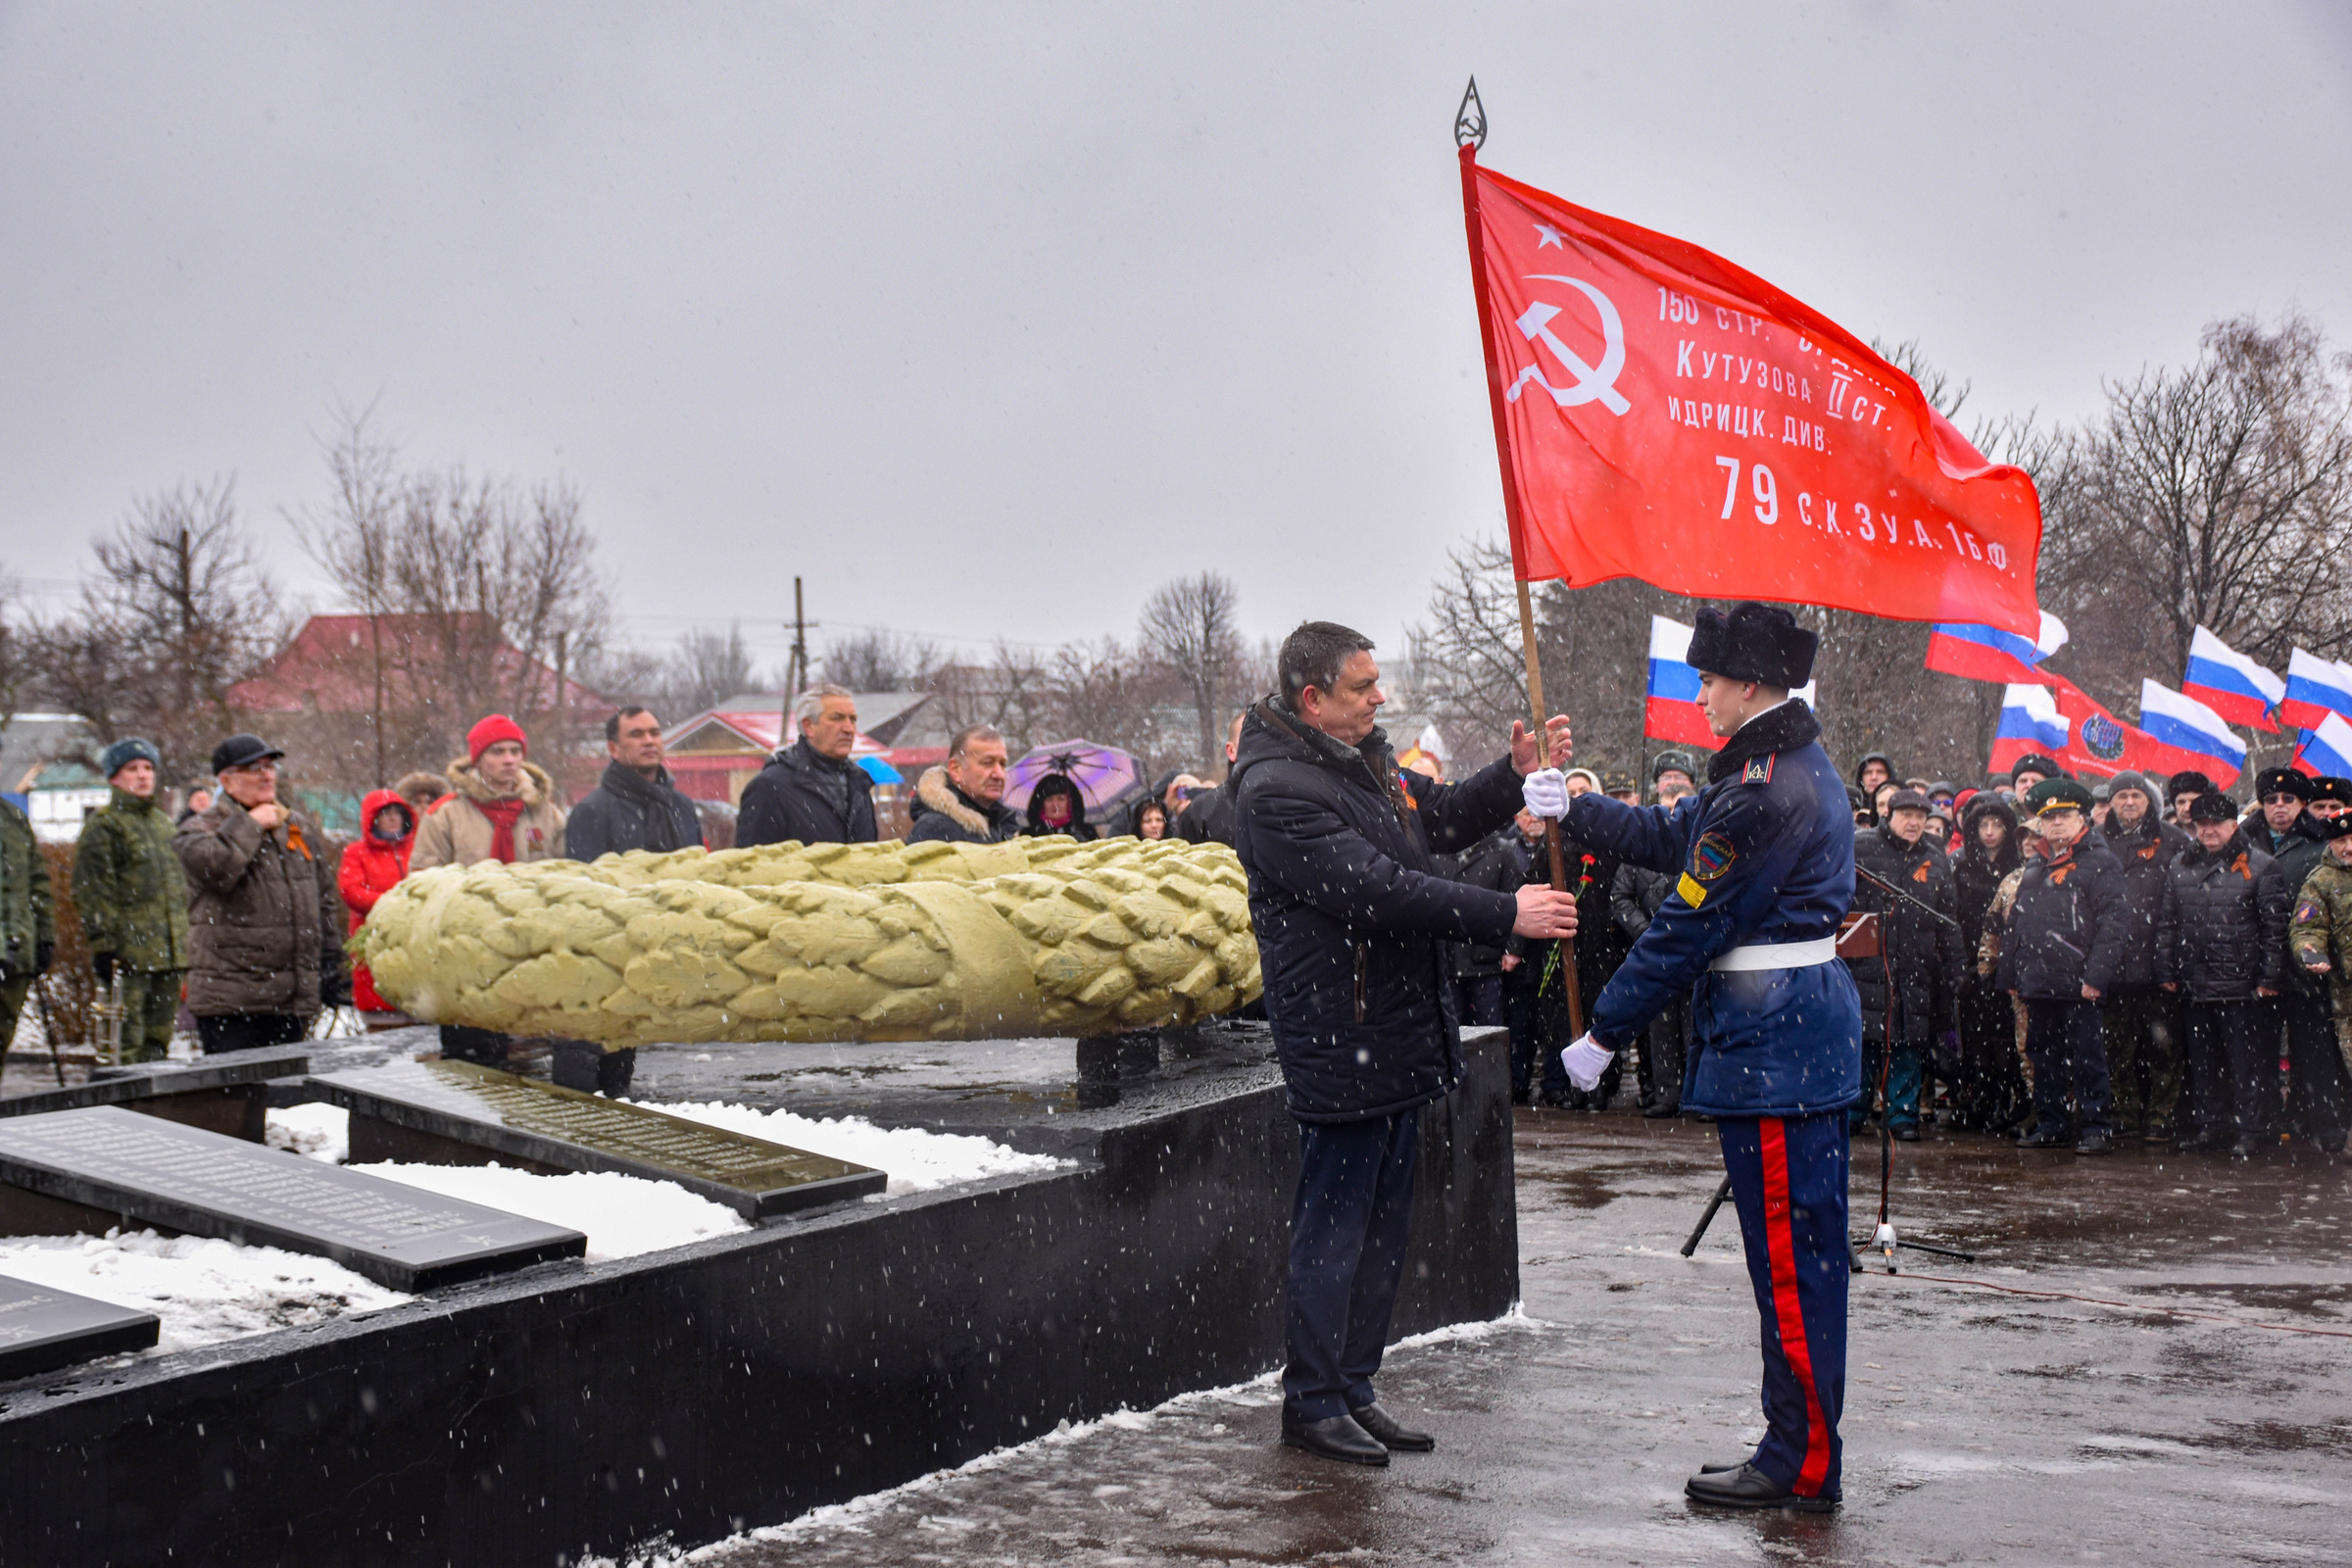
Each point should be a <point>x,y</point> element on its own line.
<point>1778,954</point>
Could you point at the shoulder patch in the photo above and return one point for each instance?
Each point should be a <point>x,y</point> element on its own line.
<point>2308,910</point>
<point>1712,855</point>
<point>1692,893</point>
<point>1759,769</point>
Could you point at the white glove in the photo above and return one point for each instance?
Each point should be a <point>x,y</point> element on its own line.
<point>1546,792</point>
<point>1586,1062</point>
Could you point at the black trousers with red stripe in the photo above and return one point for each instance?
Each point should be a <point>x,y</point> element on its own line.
<point>1788,1176</point>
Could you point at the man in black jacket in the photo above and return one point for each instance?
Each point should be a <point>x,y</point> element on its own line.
<point>812,793</point>
<point>2059,952</point>
<point>1921,951</point>
<point>2222,943</point>
<point>1635,896</point>
<point>962,800</point>
<point>2140,1020</point>
<point>1352,922</point>
<point>634,805</point>
<point>1207,817</point>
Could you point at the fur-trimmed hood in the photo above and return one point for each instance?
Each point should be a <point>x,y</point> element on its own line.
<point>537,786</point>
<point>936,795</point>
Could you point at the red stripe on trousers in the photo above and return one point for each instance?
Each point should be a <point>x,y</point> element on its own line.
<point>1781,1242</point>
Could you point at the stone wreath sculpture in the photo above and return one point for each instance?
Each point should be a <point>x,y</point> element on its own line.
<point>823,942</point>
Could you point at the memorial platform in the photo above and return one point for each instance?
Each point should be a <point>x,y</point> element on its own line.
<point>571,1409</point>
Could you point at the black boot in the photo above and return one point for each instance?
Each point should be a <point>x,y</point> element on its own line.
<point>1385,1431</point>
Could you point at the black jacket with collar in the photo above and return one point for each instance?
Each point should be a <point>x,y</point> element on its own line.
<point>1353,916</point>
<point>1926,951</point>
<point>945,814</point>
<point>807,799</point>
<point>629,811</point>
<point>2068,927</point>
<point>2223,928</point>
<point>2146,851</point>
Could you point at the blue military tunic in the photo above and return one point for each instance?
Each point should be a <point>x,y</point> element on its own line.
<point>1764,856</point>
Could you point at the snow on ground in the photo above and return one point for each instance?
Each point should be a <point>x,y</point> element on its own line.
<point>322,1132</point>
<point>204,1290</point>
<point>620,1215</point>
<point>915,1158</point>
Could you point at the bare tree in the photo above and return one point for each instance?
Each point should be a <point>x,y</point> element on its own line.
<point>176,611</point>
<point>878,662</point>
<point>481,596</point>
<point>1191,627</point>
<point>705,669</point>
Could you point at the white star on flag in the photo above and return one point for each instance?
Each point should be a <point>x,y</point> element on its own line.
<point>1545,234</point>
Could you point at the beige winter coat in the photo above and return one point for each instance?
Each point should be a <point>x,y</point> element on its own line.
<point>455,832</point>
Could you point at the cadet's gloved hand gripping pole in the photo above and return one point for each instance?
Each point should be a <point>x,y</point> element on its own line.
<point>1552,825</point>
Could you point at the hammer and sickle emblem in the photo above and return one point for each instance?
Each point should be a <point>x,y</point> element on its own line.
<point>1593,383</point>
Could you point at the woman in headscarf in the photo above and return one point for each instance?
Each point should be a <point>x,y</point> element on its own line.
<point>1057,807</point>
<point>1992,1087</point>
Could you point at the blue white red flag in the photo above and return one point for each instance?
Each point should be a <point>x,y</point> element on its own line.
<point>2229,684</point>
<point>2315,688</point>
<point>2327,752</point>
<point>1988,653</point>
<point>2030,722</point>
<point>2179,720</point>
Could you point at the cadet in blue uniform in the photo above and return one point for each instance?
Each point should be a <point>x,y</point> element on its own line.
<point>1764,863</point>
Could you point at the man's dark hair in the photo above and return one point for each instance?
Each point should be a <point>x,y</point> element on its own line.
<point>1312,655</point>
<point>613,724</point>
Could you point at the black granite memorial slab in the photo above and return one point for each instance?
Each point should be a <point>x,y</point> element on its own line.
<point>203,1184</point>
<point>458,1112</point>
<point>224,1094</point>
<point>42,1329</point>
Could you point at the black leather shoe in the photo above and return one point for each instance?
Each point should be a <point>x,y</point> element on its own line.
<point>1389,1435</point>
<point>2095,1142</point>
<point>2041,1140</point>
<point>1715,1467</point>
<point>1750,1488</point>
<point>1661,1110</point>
<point>1335,1436</point>
<point>1906,1132</point>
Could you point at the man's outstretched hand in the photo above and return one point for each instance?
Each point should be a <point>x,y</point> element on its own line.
<point>1544,913</point>
<point>1524,759</point>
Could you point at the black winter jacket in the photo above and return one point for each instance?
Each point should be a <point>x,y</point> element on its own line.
<point>945,814</point>
<point>1493,863</point>
<point>808,799</point>
<point>1977,875</point>
<point>2146,854</point>
<point>2223,928</point>
<point>1352,917</point>
<point>2068,927</point>
<point>1926,949</point>
<point>628,812</point>
<point>1207,818</point>
<point>1635,899</point>
<point>2304,850</point>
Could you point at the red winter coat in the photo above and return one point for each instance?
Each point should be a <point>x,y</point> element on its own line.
<point>371,869</point>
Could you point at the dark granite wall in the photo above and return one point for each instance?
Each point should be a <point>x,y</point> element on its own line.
<point>739,1382</point>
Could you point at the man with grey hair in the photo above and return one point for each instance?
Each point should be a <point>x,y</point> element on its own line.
<point>812,793</point>
<point>962,799</point>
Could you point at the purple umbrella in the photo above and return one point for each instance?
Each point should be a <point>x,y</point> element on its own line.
<point>1104,774</point>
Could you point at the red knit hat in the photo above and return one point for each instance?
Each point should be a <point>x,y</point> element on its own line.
<point>490,731</point>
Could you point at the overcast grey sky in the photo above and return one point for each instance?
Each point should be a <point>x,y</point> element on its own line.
<point>985,320</point>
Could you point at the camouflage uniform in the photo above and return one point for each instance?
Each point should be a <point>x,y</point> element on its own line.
<point>2323,930</point>
<point>134,906</point>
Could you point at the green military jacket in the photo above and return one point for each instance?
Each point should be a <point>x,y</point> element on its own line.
<point>2323,928</point>
<point>25,919</point>
<point>129,884</point>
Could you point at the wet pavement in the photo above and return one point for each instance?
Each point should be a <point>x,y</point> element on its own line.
<point>2150,1362</point>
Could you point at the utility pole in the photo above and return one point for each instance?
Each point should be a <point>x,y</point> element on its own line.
<point>796,666</point>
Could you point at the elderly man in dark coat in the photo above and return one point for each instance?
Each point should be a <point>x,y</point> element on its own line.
<point>812,793</point>
<point>1352,920</point>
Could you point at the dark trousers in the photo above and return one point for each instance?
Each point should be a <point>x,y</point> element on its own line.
<point>1788,1179</point>
<point>485,1047</point>
<point>2228,1070</point>
<point>1992,1087</point>
<point>2316,1090</point>
<point>1906,1074</point>
<point>1349,1223</point>
<point>1664,1049</point>
<point>250,1030</point>
<point>2069,1062</point>
<point>1478,998</point>
<point>1532,1048</point>
<point>2141,1027</point>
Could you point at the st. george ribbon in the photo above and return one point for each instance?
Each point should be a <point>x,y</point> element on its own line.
<point>1661,414</point>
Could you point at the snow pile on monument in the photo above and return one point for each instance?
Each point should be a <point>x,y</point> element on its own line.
<point>824,942</point>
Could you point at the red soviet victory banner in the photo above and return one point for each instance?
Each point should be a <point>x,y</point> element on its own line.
<point>1663,415</point>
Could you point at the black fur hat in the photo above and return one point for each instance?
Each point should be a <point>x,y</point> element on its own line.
<point>1762,642</point>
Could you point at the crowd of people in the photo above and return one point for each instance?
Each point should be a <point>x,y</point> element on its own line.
<point>2064,962</point>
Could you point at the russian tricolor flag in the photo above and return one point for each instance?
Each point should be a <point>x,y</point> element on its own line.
<point>2030,722</point>
<point>1672,713</point>
<point>2229,684</point>
<point>2315,688</point>
<point>2327,752</point>
<point>2186,724</point>
<point>1988,653</point>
